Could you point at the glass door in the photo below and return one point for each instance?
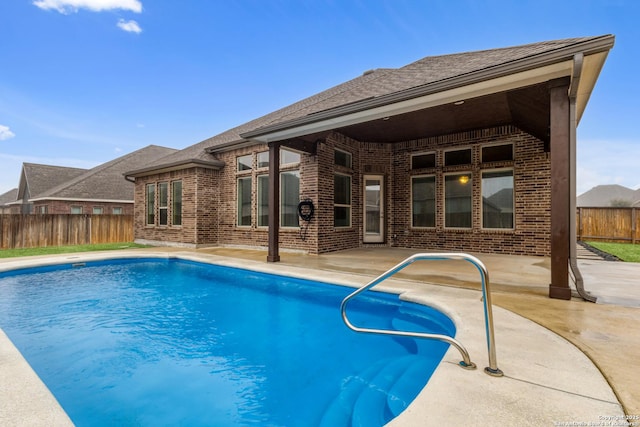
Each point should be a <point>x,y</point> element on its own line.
<point>373,209</point>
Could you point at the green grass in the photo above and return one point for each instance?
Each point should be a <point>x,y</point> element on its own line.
<point>49,250</point>
<point>625,251</point>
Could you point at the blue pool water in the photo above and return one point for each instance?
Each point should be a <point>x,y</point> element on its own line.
<point>171,342</point>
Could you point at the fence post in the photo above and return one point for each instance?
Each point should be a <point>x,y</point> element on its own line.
<point>579,224</point>
<point>634,230</point>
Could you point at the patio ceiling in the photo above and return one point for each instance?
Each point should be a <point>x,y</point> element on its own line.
<point>526,108</point>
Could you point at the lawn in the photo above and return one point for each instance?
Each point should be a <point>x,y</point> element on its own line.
<point>625,251</point>
<point>49,250</point>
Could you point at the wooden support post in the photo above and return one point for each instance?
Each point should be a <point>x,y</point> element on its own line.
<point>560,216</point>
<point>274,203</point>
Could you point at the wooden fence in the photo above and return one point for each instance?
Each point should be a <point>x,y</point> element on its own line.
<point>30,231</point>
<point>608,224</point>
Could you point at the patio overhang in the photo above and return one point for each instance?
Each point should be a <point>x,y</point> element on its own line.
<point>513,93</point>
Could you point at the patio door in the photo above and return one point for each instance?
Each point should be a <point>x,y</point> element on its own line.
<point>373,209</point>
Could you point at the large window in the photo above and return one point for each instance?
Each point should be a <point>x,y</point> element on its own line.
<point>163,203</point>
<point>151,204</point>
<point>457,200</point>
<point>244,201</point>
<point>289,198</point>
<point>342,200</point>
<point>263,200</point>
<point>497,199</point>
<point>176,203</point>
<point>423,199</point>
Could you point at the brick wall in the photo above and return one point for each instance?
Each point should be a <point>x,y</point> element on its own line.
<point>532,188</point>
<point>210,197</point>
<point>64,207</point>
<point>199,208</point>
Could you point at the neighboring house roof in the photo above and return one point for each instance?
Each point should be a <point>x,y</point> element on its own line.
<point>106,181</point>
<point>603,195</point>
<point>36,179</point>
<point>390,92</point>
<point>9,196</point>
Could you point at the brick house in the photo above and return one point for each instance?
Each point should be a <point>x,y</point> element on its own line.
<point>46,189</point>
<point>472,151</point>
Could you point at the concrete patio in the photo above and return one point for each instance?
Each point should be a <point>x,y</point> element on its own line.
<point>564,361</point>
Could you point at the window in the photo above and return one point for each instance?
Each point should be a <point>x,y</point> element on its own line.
<point>423,201</point>
<point>289,157</point>
<point>244,201</point>
<point>176,203</point>
<point>341,200</point>
<point>244,163</point>
<point>342,158</point>
<point>497,153</point>
<point>263,159</point>
<point>497,199</point>
<point>289,198</point>
<point>421,161</point>
<point>263,200</point>
<point>457,157</point>
<point>163,203</point>
<point>151,204</point>
<point>76,210</point>
<point>116,211</point>
<point>43,209</point>
<point>97,210</point>
<point>457,200</point>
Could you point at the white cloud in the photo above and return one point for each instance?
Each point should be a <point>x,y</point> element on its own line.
<point>129,26</point>
<point>5,133</point>
<point>68,6</point>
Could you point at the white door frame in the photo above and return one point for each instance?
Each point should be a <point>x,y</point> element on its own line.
<point>373,208</point>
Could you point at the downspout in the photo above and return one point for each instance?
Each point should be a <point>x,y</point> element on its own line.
<point>573,262</point>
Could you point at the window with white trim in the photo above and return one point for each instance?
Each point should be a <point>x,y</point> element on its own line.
<point>457,200</point>
<point>423,201</point>
<point>341,200</point>
<point>244,201</point>
<point>151,204</point>
<point>98,210</point>
<point>497,199</point>
<point>163,203</point>
<point>176,203</point>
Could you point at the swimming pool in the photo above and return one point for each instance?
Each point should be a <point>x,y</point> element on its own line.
<point>165,342</point>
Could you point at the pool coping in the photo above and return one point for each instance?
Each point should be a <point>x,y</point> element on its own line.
<point>547,379</point>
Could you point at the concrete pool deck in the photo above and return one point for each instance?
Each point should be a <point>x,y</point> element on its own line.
<point>564,361</point>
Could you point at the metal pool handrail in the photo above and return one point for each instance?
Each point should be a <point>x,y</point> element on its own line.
<point>466,363</point>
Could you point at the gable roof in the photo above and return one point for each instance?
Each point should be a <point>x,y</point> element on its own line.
<point>9,196</point>
<point>36,179</point>
<point>422,84</point>
<point>106,181</point>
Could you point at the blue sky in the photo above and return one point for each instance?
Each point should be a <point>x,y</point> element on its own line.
<point>85,81</point>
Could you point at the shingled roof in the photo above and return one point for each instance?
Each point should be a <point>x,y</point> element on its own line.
<point>8,197</point>
<point>387,86</point>
<point>106,181</point>
<point>37,179</point>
